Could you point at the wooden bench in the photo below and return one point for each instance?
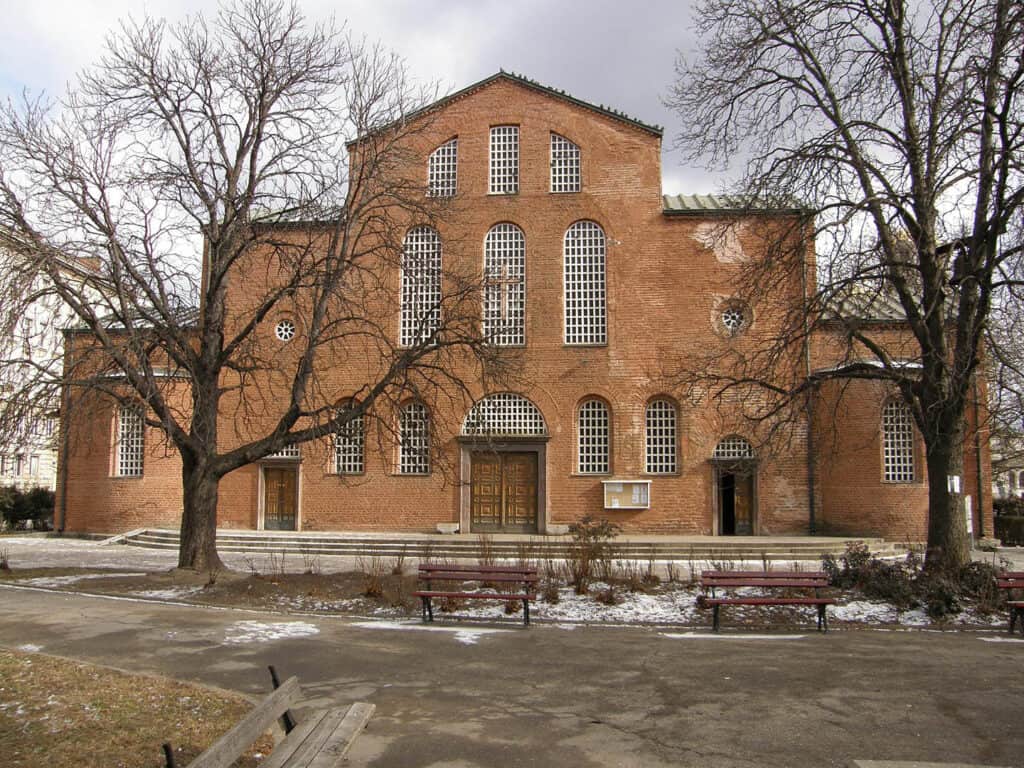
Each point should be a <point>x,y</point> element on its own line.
<point>320,741</point>
<point>518,583</point>
<point>765,580</point>
<point>1013,580</point>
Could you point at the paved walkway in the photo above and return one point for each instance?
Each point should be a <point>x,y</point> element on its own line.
<point>461,695</point>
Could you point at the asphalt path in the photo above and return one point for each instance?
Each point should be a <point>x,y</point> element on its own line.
<point>464,694</point>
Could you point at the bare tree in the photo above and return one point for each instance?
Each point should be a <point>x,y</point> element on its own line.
<point>212,175</point>
<point>900,125</point>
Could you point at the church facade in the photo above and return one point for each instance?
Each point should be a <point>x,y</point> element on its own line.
<point>599,282</point>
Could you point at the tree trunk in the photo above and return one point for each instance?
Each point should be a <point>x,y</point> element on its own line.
<point>198,548</point>
<point>948,545</point>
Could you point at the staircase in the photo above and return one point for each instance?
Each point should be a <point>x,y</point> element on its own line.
<point>514,547</point>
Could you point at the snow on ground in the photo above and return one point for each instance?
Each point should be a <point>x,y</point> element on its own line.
<point>30,648</point>
<point>63,581</point>
<point>264,631</point>
<point>470,636</point>
<point>720,636</point>
<point>171,593</point>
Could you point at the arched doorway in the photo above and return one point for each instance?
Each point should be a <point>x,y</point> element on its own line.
<point>504,440</point>
<point>735,471</point>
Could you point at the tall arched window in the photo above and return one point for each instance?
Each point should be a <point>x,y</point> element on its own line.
<point>414,440</point>
<point>660,438</point>
<point>585,299</point>
<point>504,166</point>
<point>421,286</point>
<point>565,165</point>
<point>130,441</point>
<point>505,285</point>
<point>350,447</point>
<point>594,434</point>
<point>442,170</point>
<point>897,443</point>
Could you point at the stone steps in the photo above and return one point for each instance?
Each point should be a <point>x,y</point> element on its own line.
<point>419,546</point>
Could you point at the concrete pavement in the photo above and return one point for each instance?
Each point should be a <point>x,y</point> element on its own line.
<point>463,694</point>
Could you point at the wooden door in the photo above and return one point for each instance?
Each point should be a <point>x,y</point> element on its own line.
<point>744,505</point>
<point>280,498</point>
<point>504,492</point>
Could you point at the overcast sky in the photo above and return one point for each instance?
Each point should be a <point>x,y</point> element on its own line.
<point>602,51</point>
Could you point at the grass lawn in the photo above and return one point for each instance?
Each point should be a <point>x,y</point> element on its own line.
<point>57,713</point>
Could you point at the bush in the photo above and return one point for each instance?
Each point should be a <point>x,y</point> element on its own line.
<point>1012,506</point>
<point>36,505</point>
<point>905,584</point>
<point>590,547</point>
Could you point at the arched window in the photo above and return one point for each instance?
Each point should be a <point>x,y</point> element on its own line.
<point>594,434</point>
<point>442,170</point>
<point>414,440</point>
<point>421,286</point>
<point>897,443</point>
<point>733,447</point>
<point>130,441</point>
<point>660,438</point>
<point>565,165</point>
<point>350,448</point>
<point>504,167</point>
<point>584,266</point>
<point>505,285</point>
<point>505,414</point>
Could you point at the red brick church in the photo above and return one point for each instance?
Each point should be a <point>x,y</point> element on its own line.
<point>597,279</point>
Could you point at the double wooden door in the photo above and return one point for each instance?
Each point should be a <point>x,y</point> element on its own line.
<point>504,492</point>
<point>736,504</point>
<point>280,498</point>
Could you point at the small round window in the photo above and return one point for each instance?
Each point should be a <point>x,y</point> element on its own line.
<point>285,330</point>
<point>733,319</point>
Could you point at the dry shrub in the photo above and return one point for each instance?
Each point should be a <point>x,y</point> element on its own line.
<point>590,549</point>
<point>398,568</point>
<point>373,576</point>
<point>608,596</point>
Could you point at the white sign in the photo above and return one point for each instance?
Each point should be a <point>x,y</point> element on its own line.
<point>970,516</point>
<point>953,483</point>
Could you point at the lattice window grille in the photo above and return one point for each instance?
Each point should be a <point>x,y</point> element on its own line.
<point>660,438</point>
<point>130,442</point>
<point>288,452</point>
<point>504,168</point>
<point>594,434</point>
<point>565,165</point>
<point>505,285</point>
<point>733,447</point>
<point>898,443</point>
<point>585,296</point>
<point>421,286</point>
<point>504,414</point>
<point>349,448</point>
<point>442,170</point>
<point>414,440</point>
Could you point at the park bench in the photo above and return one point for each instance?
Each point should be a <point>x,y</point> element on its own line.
<point>1010,581</point>
<point>319,741</point>
<point>516,583</point>
<point>810,582</point>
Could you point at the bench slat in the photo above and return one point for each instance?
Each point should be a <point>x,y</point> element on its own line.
<point>333,753</point>
<point>479,568</point>
<point>780,584</point>
<point>477,595</point>
<point>767,601</point>
<point>764,574</point>
<point>469,576</point>
<point>223,752</point>
<point>283,752</point>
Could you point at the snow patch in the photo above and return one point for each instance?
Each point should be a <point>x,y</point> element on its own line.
<point>716,636</point>
<point>459,634</point>
<point>30,648</point>
<point>62,581</point>
<point>262,631</point>
<point>172,593</point>
<point>1001,640</point>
